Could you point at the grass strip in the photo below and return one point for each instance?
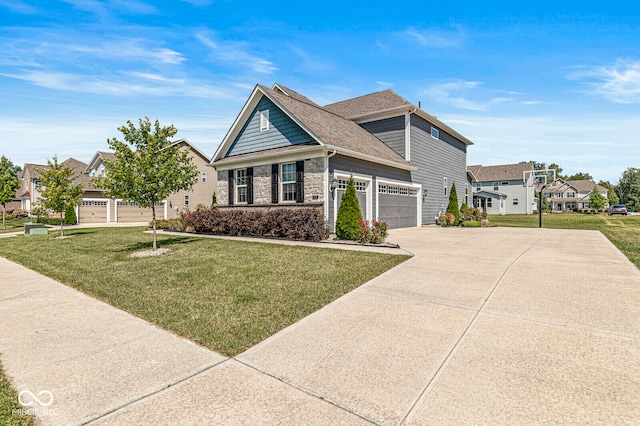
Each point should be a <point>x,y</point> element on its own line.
<point>223,294</point>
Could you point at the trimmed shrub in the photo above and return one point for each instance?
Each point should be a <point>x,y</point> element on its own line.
<point>447,220</point>
<point>70,216</point>
<point>373,232</point>
<point>291,223</point>
<point>349,214</point>
<point>472,224</point>
<point>452,208</point>
<point>19,214</point>
<point>169,224</point>
<point>470,214</point>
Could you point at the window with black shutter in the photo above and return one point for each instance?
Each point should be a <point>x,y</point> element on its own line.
<point>249,185</point>
<point>232,192</point>
<point>299,181</point>
<point>274,183</point>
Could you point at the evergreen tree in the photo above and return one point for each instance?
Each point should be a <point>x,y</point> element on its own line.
<point>452,208</point>
<point>70,217</point>
<point>348,214</point>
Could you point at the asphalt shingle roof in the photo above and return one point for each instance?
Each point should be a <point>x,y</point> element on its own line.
<point>502,172</point>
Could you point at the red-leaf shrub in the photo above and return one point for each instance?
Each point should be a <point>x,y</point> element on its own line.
<point>292,223</point>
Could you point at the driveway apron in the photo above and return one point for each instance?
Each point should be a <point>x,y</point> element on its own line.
<point>481,326</point>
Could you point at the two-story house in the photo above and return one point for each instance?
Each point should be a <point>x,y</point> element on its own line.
<point>97,207</point>
<point>571,195</point>
<point>284,150</point>
<point>503,189</point>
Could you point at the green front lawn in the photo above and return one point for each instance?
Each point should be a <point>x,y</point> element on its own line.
<point>622,231</point>
<point>225,295</point>
<point>13,225</point>
<point>11,413</point>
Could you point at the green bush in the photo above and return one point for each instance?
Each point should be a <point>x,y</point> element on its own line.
<point>19,214</point>
<point>349,214</point>
<point>373,232</point>
<point>447,220</point>
<point>169,224</point>
<point>452,208</point>
<point>472,224</point>
<point>70,216</point>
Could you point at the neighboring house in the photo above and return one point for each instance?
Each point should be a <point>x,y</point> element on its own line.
<point>571,195</point>
<point>30,183</point>
<point>97,207</point>
<point>285,150</point>
<point>503,189</point>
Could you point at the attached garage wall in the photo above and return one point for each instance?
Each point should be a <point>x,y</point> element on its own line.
<point>131,212</point>
<point>397,205</point>
<point>93,211</point>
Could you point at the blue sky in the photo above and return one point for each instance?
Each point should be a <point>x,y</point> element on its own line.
<point>541,81</point>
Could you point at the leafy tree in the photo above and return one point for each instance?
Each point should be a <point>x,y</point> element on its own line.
<point>580,176</point>
<point>58,191</point>
<point>558,170</point>
<point>348,213</point>
<point>452,208</point>
<point>629,188</point>
<point>612,196</point>
<point>9,184</point>
<point>147,167</point>
<point>596,200</point>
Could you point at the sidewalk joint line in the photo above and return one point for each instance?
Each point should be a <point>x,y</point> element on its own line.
<point>472,322</point>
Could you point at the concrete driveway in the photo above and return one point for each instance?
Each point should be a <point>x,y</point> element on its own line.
<point>482,326</point>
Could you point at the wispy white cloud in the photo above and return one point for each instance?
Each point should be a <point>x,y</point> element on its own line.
<point>309,63</point>
<point>199,3</point>
<point>237,53</point>
<point>384,84</point>
<point>435,38</point>
<point>18,6</point>
<point>459,94</point>
<point>125,84</point>
<point>104,8</point>
<point>619,82</point>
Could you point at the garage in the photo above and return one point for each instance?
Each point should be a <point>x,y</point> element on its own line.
<point>93,211</point>
<point>398,205</point>
<point>128,211</point>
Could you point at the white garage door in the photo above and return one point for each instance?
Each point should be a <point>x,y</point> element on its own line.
<point>93,211</point>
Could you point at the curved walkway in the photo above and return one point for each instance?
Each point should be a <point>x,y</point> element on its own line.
<point>481,326</point>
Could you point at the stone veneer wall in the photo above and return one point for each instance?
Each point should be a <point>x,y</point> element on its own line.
<point>313,184</point>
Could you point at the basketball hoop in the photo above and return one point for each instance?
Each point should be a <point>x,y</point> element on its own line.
<point>537,186</point>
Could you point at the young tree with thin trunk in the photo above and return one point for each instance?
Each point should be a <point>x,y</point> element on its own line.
<point>9,184</point>
<point>597,200</point>
<point>147,167</point>
<point>57,188</point>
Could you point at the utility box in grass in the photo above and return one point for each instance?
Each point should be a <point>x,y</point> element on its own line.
<point>35,229</point>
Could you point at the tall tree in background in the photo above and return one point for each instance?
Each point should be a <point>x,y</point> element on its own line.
<point>596,200</point>
<point>629,188</point>
<point>147,167</point>
<point>580,176</point>
<point>452,207</point>
<point>58,191</point>
<point>9,184</point>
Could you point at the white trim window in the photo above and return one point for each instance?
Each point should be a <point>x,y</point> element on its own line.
<point>435,133</point>
<point>288,178</point>
<point>264,120</point>
<point>466,193</point>
<point>489,203</point>
<point>496,186</point>
<point>241,186</point>
<point>186,200</point>
<point>515,201</point>
<point>382,189</point>
<point>444,184</point>
<point>478,187</point>
<point>204,177</point>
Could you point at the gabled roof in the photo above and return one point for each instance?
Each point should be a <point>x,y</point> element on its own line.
<point>498,173</point>
<point>98,157</point>
<point>293,94</point>
<point>582,185</point>
<point>386,101</point>
<point>327,129</point>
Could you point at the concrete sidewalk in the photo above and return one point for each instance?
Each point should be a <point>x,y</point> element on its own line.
<point>482,326</point>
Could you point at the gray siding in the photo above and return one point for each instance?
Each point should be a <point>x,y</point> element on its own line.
<point>354,165</point>
<point>282,132</point>
<point>390,131</point>
<point>435,160</point>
